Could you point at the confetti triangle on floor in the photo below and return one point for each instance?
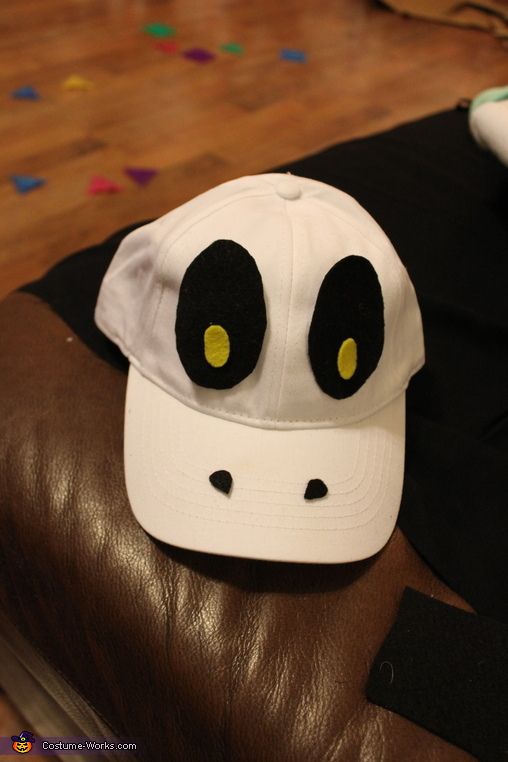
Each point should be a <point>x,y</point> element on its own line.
<point>289,54</point>
<point>100,184</point>
<point>140,175</point>
<point>199,54</point>
<point>167,47</point>
<point>27,92</point>
<point>232,47</point>
<point>75,82</point>
<point>26,183</point>
<point>160,30</point>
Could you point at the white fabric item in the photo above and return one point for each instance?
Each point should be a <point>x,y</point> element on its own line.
<point>488,123</point>
<point>275,430</point>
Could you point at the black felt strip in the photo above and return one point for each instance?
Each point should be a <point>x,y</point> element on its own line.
<point>447,670</point>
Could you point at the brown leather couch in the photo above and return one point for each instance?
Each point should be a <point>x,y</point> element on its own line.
<point>200,657</point>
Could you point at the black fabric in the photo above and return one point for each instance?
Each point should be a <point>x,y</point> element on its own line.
<point>315,489</point>
<point>221,480</point>
<point>349,305</point>
<point>447,670</point>
<point>444,204</point>
<point>222,286</point>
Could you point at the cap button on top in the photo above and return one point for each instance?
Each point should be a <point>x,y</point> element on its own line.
<point>288,189</point>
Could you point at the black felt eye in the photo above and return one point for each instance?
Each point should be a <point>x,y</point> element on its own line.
<point>346,334</point>
<point>221,316</point>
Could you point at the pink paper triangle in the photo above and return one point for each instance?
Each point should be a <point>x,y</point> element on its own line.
<point>140,175</point>
<point>100,184</point>
<point>167,47</point>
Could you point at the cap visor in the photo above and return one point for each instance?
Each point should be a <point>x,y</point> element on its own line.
<point>171,450</point>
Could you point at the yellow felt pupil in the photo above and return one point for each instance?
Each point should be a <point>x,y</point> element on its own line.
<point>347,359</point>
<point>216,342</point>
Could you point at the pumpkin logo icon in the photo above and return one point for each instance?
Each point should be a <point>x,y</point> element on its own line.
<point>24,742</point>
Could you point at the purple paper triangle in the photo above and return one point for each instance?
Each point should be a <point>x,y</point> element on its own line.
<point>140,175</point>
<point>199,54</point>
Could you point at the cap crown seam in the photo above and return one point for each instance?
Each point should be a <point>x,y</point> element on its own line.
<point>288,314</point>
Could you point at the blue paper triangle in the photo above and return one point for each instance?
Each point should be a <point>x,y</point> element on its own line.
<point>27,92</point>
<point>25,183</point>
<point>289,54</point>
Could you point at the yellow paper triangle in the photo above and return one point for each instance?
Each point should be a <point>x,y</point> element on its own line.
<point>75,82</point>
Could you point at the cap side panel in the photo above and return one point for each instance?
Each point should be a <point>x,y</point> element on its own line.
<point>128,280</point>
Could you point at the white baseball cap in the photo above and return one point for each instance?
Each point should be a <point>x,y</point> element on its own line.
<point>271,331</point>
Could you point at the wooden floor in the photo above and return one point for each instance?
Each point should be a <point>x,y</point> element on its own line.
<point>199,124</point>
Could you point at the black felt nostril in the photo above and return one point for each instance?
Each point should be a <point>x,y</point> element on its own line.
<point>315,488</point>
<point>222,480</point>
